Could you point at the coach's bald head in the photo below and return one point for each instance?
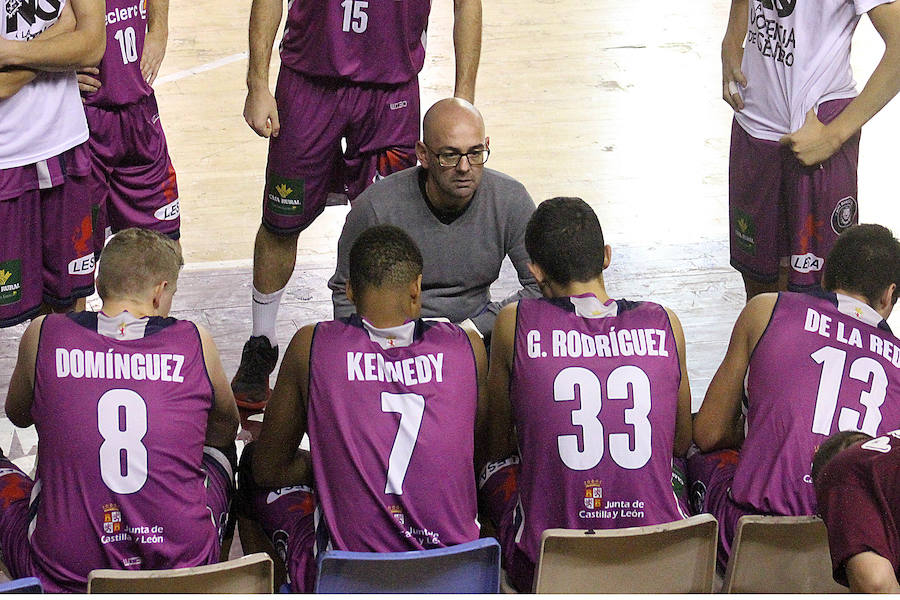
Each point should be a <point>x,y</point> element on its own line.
<point>452,151</point>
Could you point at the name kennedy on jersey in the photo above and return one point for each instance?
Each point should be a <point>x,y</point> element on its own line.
<point>78,364</point>
<point>622,342</point>
<point>371,366</point>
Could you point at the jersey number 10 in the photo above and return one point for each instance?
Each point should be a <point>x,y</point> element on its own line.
<point>127,44</point>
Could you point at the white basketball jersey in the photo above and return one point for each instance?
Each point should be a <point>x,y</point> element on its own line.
<point>45,118</point>
<point>797,56</point>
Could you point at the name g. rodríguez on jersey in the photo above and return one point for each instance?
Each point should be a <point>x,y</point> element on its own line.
<point>622,342</point>
<point>372,366</point>
<point>87,364</point>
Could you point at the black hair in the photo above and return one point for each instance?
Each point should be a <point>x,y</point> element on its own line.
<point>865,259</point>
<point>383,255</point>
<point>565,240</point>
<point>832,447</point>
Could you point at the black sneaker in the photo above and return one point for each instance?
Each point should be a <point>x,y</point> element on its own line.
<point>251,382</point>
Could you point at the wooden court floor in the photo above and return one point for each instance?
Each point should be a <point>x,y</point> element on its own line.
<point>616,102</point>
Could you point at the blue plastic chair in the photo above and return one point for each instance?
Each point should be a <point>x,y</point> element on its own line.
<point>470,568</point>
<point>25,585</point>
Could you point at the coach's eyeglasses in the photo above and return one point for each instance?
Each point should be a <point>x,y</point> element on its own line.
<point>476,158</point>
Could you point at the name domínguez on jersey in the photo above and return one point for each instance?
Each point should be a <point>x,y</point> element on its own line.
<point>88,364</point>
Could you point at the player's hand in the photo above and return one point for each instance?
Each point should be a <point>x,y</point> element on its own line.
<point>152,57</point>
<point>261,113</point>
<point>733,79</point>
<point>86,82</point>
<point>814,143</point>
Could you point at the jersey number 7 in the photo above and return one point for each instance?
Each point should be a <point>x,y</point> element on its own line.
<point>411,407</point>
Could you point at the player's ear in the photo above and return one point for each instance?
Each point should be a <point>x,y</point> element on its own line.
<point>886,302</point>
<point>351,296</point>
<point>158,291</point>
<point>607,255</point>
<point>415,289</point>
<point>422,153</point>
<point>536,272</point>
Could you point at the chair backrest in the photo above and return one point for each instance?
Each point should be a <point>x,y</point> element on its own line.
<point>675,558</point>
<point>251,574</point>
<point>25,585</point>
<point>780,555</point>
<point>470,568</point>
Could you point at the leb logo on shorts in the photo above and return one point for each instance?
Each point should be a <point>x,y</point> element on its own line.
<point>285,196</point>
<point>10,281</point>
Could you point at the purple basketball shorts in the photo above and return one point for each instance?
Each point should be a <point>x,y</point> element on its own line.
<point>711,475</point>
<point>287,518</point>
<point>499,493</point>
<point>306,161</point>
<point>779,208</point>
<point>17,513</point>
<point>219,487</point>
<point>131,181</point>
<point>46,252</point>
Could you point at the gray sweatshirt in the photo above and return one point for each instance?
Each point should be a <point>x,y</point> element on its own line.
<point>461,259</point>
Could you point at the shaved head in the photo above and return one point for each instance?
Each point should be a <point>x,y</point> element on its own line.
<point>453,127</point>
<point>446,113</point>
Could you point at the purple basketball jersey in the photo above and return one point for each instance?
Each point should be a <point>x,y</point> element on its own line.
<point>823,365</point>
<point>121,423</point>
<point>120,69</point>
<point>594,393</point>
<point>362,41</point>
<point>392,436</point>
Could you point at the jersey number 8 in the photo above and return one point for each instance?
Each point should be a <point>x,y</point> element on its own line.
<point>122,422</point>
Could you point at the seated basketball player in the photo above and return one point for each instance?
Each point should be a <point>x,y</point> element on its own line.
<point>129,407</point>
<point>390,404</point>
<point>857,482</point>
<point>804,366</point>
<point>592,391</point>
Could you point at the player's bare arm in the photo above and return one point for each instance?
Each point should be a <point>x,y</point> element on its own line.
<point>466,46</point>
<point>13,80</point>
<point>733,78</point>
<point>260,110</point>
<point>21,385</point>
<point>82,46</point>
<point>156,40</point>
<point>223,421</point>
<point>481,366</point>
<point>814,143</point>
<point>683,433</point>
<point>500,431</point>
<point>276,460</point>
<point>718,424</point>
<point>871,573</point>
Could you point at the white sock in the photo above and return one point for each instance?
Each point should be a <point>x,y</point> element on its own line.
<point>265,311</point>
